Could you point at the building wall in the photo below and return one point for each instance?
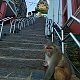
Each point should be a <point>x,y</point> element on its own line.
<point>50,9</point>
<point>69,10</point>
<point>58,11</point>
<point>21,8</point>
<point>55,11</point>
<point>61,12</point>
<point>3,10</point>
<point>75,27</point>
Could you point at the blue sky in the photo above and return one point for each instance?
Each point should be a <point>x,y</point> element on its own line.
<point>31,4</point>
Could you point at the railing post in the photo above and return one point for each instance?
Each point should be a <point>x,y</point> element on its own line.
<point>24,23</point>
<point>1,28</point>
<point>11,23</point>
<point>14,26</point>
<point>62,33</point>
<point>52,34</point>
<point>19,24</point>
<point>21,20</point>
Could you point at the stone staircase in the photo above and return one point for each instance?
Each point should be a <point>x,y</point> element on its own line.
<point>22,54</point>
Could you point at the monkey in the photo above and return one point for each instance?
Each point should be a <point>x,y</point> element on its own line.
<point>62,70</point>
<point>59,73</point>
<point>53,56</point>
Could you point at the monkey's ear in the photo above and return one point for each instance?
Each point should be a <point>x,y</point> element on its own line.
<point>52,47</point>
<point>45,46</point>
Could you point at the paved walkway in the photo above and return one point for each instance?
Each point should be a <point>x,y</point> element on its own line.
<point>22,54</point>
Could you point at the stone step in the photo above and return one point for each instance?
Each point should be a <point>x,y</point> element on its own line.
<point>21,63</point>
<point>31,33</point>
<point>34,28</point>
<point>28,35</point>
<point>5,44</point>
<point>15,52</point>
<point>25,41</point>
<point>21,74</point>
<point>22,53</point>
<point>25,37</point>
<point>35,32</point>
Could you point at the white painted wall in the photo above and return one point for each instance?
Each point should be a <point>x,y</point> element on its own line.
<point>50,11</point>
<point>53,11</point>
<point>58,15</point>
<point>69,8</point>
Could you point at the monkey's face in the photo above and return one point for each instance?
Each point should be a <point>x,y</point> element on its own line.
<point>49,50</point>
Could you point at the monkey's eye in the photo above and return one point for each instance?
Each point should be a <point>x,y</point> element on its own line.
<point>49,48</point>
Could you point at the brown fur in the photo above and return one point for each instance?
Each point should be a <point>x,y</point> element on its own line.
<point>62,70</point>
<point>56,63</point>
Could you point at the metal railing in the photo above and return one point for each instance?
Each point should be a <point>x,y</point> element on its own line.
<point>48,26</point>
<point>16,24</point>
<point>67,24</point>
<point>2,24</point>
<point>60,32</point>
<point>61,37</point>
<point>21,23</point>
<point>57,27</point>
